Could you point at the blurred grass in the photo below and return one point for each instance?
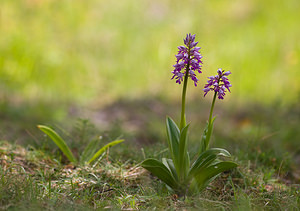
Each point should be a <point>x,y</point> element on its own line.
<point>99,51</point>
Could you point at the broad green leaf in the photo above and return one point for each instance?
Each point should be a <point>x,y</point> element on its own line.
<point>170,165</point>
<point>59,142</point>
<point>206,136</point>
<point>204,177</point>
<point>183,154</point>
<point>100,151</point>
<point>173,140</point>
<point>89,151</point>
<point>206,156</point>
<point>158,169</point>
<point>204,163</point>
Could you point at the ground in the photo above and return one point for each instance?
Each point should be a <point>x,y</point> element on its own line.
<point>35,175</point>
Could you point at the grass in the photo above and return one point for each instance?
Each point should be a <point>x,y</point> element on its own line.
<point>30,179</point>
<point>37,176</point>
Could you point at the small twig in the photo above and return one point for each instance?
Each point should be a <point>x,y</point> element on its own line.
<point>110,189</point>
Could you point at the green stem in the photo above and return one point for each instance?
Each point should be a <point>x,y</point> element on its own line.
<point>212,108</point>
<point>208,132</point>
<point>183,120</point>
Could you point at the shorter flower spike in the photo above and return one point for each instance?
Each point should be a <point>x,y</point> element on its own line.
<point>218,83</point>
<point>188,57</point>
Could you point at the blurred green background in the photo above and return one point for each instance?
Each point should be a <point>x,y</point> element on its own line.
<point>111,62</point>
<point>99,51</point>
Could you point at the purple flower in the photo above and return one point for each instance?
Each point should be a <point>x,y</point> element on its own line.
<point>188,58</point>
<point>218,83</point>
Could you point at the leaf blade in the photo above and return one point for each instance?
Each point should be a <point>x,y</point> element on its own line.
<point>158,169</point>
<point>100,151</point>
<point>173,135</point>
<point>170,165</point>
<point>204,177</point>
<point>205,155</point>
<point>183,154</point>
<point>59,142</point>
<point>206,135</point>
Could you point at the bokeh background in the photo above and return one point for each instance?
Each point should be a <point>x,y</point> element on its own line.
<point>87,51</point>
<point>111,61</point>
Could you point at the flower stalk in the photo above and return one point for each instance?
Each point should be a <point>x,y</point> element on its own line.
<point>183,118</point>
<point>212,108</point>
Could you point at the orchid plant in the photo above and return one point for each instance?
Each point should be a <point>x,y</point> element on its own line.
<point>181,174</point>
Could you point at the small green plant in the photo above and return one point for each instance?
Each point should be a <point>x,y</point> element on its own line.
<point>178,173</point>
<point>87,156</point>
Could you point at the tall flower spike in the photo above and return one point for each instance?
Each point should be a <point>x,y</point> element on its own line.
<point>188,59</point>
<point>218,83</point>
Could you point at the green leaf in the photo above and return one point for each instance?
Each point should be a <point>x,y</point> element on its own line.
<point>207,157</point>
<point>203,139</point>
<point>100,151</point>
<point>206,136</point>
<point>170,165</point>
<point>183,154</point>
<point>173,140</point>
<point>159,170</point>
<point>204,163</point>
<point>59,142</point>
<point>202,179</point>
<point>187,163</point>
<point>89,151</point>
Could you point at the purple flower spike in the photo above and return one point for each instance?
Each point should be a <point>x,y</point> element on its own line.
<point>188,57</point>
<point>218,83</point>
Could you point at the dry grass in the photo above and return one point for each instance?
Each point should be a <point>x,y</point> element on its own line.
<point>34,179</point>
